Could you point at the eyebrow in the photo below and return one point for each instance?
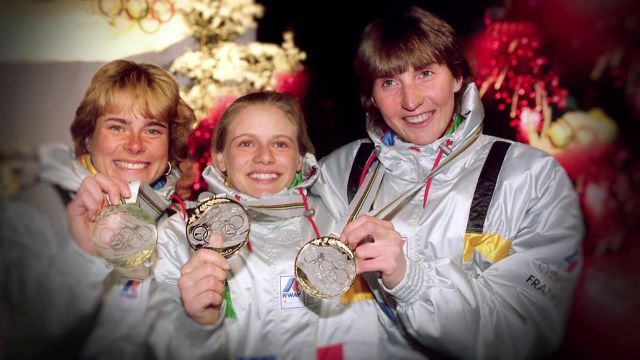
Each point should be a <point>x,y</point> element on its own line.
<point>425,66</point>
<point>283,136</point>
<point>146,123</point>
<point>254,136</point>
<point>155,123</point>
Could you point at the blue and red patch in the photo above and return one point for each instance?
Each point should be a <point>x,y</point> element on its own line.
<point>130,288</point>
<point>571,261</point>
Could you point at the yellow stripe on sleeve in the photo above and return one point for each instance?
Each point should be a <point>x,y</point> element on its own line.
<point>492,247</point>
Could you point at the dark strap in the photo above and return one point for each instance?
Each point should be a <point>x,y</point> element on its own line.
<point>65,195</point>
<point>486,186</point>
<point>364,151</point>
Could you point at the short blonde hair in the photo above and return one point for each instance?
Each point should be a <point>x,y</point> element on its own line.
<point>143,88</point>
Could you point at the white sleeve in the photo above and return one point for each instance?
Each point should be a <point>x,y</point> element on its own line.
<point>53,288</point>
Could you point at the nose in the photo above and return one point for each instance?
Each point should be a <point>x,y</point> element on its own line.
<point>134,143</point>
<point>263,154</point>
<point>412,97</point>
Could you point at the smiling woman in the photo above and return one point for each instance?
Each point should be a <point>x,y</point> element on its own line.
<point>132,118</point>
<point>417,104</point>
<point>129,147</point>
<point>453,261</point>
<point>248,305</point>
<point>264,148</point>
<point>131,125</point>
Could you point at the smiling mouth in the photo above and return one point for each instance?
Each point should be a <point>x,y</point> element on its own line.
<point>263,176</point>
<point>131,165</point>
<point>418,118</point>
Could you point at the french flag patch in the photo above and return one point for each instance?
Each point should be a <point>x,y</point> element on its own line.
<point>130,288</point>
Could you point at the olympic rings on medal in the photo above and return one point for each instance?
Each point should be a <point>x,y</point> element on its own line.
<point>124,235</point>
<point>325,267</point>
<point>148,14</point>
<point>219,224</point>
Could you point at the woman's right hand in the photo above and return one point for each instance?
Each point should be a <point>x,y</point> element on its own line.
<point>89,201</point>
<point>201,283</point>
<point>377,247</point>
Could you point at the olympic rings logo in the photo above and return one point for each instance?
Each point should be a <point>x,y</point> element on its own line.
<point>228,229</point>
<point>328,270</point>
<point>148,14</point>
<point>134,237</point>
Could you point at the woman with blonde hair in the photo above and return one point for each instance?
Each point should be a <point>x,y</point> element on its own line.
<point>250,304</point>
<point>131,125</point>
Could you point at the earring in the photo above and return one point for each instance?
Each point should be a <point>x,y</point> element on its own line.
<point>85,159</point>
<point>168,171</point>
<point>297,180</point>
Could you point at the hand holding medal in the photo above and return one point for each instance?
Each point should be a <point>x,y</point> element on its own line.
<point>219,224</point>
<point>122,234</point>
<point>326,267</point>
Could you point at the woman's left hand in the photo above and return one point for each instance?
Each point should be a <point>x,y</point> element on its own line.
<point>378,247</point>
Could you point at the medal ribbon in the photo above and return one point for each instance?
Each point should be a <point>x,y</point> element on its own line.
<point>149,199</point>
<point>388,210</point>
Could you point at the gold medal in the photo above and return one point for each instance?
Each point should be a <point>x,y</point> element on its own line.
<point>125,235</point>
<point>218,224</point>
<point>325,267</point>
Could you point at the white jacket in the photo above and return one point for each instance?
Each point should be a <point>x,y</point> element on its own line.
<point>492,280</point>
<point>271,318</point>
<point>58,297</point>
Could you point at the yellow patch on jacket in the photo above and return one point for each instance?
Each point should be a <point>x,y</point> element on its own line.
<point>359,291</point>
<point>492,247</point>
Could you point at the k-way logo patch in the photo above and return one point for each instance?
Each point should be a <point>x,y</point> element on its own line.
<point>290,295</point>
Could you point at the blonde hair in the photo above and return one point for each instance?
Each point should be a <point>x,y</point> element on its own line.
<point>283,101</point>
<point>142,88</point>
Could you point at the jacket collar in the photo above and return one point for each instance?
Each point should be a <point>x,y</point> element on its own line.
<point>412,162</point>
<point>286,203</point>
<point>59,166</point>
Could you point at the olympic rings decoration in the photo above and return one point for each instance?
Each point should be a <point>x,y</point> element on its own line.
<point>148,14</point>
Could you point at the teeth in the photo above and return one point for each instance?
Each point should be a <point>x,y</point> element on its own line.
<point>131,166</point>
<point>263,176</point>
<point>416,119</point>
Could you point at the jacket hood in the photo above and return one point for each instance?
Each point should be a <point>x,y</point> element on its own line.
<point>59,166</point>
<point>402,158</point>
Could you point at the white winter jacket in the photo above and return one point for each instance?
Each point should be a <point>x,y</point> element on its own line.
<point>266,315</point>
<point>492,257</point>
